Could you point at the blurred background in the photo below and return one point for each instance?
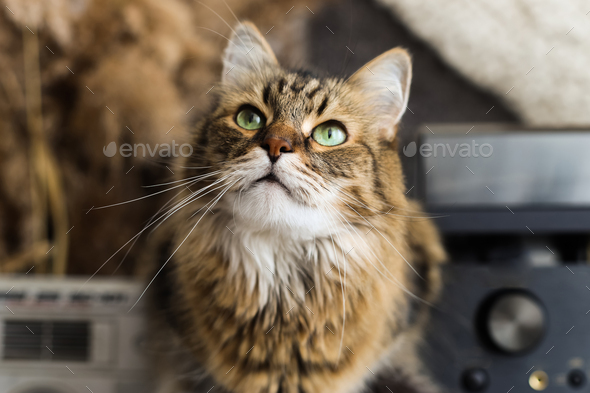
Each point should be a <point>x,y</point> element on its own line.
<point>76,75</point>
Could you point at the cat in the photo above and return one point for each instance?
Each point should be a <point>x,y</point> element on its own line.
<point>299,265</point>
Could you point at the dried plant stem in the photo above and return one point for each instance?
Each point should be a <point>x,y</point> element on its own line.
<point>47,196</point>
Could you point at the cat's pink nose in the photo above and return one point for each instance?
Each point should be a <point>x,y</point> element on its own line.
<point>275,146</point>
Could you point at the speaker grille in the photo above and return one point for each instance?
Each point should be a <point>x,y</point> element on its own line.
<point>46,340</point>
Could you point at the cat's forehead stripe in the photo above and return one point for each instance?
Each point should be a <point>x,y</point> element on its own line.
<point>282,83</point>
<point>297,83</point>
<point>297,86</point>
<point>323,106</point>
<point>286,90</point>
<point>313,92</point>
<point>266,93</point>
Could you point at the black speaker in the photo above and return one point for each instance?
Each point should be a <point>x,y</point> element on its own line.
<point>500,329</point>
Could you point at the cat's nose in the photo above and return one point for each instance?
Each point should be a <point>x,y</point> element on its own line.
<point>275,146</point>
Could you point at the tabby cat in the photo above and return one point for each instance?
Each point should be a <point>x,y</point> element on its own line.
<point>298,266</point>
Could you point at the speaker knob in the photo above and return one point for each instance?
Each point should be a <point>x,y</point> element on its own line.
<point>515,322</point>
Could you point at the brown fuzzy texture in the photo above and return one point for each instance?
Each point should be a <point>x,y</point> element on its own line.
<point>149,62</point>
<point>250,332</point>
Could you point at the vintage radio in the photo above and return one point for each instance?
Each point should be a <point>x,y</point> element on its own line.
<point>64,335</point>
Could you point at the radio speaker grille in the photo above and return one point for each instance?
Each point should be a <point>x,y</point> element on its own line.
<point>46,340</point>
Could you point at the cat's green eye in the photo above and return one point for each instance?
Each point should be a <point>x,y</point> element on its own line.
<point>329,134</point>
<point>250,119</point>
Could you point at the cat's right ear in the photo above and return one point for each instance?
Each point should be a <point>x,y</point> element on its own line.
<point>246,52</point>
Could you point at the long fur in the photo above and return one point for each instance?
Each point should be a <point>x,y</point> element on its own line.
<point>315,283</point>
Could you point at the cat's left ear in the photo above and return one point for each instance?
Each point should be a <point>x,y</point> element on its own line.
<point>384,86</point>
<point>246,52</point>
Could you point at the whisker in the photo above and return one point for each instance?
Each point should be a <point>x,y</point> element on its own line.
<point>165,263</point>
<point>185,179</point>
<point>145,196</point>
<point>123,246</point>
<point>193,167</point>
<point>197,212</point>
<point>393,279</point>
<point>234,211</point>
<point>179,205</point>
<point>177,248</point>
<point>342,289</point>
<point>136,239</point>
<point>116,252</point>
<point>191,198</point>
<point>387,240</point>
<point>396,282</point>
<point>393,207</point>
<point>240,202</point>
<point>219,34</point>
<point>230,10</point>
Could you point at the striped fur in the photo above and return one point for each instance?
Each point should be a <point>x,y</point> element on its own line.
<point>312,285</point>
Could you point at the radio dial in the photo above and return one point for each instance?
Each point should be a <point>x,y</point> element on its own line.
<point>515,322</point>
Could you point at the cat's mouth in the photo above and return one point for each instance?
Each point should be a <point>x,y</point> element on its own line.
<point>272,178</point>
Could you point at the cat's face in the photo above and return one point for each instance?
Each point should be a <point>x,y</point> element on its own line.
<point>297,149</point>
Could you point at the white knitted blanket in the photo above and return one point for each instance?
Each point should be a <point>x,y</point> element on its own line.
<point>534,54</point>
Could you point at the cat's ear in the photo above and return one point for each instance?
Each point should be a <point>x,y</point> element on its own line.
<point>384,88</point>
<point>246,52</point>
